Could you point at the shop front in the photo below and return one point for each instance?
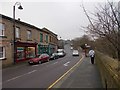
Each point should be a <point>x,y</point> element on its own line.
<point>43,49</point>
<point>49,49</point>
<point>52,49</point>
<point>25,51</point>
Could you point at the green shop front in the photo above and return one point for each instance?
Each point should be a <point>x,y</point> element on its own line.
<point>43,49</point>
<point>49,49</point>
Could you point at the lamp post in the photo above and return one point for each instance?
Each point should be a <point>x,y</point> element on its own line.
<point>14,35</point>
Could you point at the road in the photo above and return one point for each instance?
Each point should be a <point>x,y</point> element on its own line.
<point>40,75</point>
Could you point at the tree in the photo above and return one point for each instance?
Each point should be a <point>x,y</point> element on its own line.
<point>106,24</point>
<point>81,41</point>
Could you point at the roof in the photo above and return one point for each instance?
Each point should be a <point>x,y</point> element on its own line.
<point>26,24</point>
<point>48,31</point>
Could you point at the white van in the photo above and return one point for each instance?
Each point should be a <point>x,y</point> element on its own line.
<point>61,52</point>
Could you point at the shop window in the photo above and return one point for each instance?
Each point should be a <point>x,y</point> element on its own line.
<point>20,53</point>
<point>17,32</point>
<point>29,35</point>
<point>2,29</point>
<point>38,50</point>
<point>30,52</point>
<point>2,52</point>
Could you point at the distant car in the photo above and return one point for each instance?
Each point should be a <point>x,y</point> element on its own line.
<point>61,52</point>
<point>40,59</point>
<point>75,53</point>
<point>54,56</point>
<point>71,48</point>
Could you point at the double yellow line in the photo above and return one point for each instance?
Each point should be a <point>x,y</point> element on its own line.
<point>64,74</point>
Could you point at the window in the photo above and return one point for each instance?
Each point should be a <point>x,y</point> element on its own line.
<point>2,29</point>
<point>30,52</point>
<point>46,38</point>
<point>2,52</point>
<point>29,34</point>
<point>50,39</point>
<point>17,32</point>
<point>41,37</point>
<point>20,53</point>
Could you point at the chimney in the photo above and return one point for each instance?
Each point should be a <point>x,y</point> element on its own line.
<point>18,19</point>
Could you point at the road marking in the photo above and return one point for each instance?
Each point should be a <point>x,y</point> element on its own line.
<point>21,75</point>
<point>15,78</point>
<point>31,71</point>
<point>55,63</point>
<point>66,64</point>
<point>64,74</point>
<point>35,65</point>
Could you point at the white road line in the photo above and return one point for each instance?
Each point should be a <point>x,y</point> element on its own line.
<point>55,63</point>
<point>35,65</point>
<point>66,64</point>
<point>31,71</point>
<point>15,78</point>
<point>21,75</point>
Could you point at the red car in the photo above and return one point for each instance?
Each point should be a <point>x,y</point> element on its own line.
<point>40,59</point>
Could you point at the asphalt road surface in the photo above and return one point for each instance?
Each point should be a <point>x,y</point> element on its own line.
<point>39,75</point>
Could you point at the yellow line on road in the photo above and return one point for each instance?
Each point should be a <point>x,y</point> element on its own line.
<point>64,74</point>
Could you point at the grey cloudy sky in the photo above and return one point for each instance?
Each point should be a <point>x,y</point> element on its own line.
<point>63,17</point>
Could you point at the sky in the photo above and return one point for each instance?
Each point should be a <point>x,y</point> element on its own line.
<point>63,17</point>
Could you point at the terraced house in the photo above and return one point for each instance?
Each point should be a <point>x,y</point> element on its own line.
<point>30,41</point>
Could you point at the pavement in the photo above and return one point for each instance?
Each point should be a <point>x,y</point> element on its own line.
<point>85,75</point>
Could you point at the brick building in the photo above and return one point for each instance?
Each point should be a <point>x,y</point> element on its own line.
<point>30,41</point>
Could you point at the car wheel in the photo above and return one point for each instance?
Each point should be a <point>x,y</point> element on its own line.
<point>30,63</point>
<point>39,62</point>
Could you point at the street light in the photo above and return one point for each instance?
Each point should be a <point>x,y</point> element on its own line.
<point>14,47</point>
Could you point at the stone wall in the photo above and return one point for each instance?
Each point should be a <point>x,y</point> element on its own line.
<point>109,71</point>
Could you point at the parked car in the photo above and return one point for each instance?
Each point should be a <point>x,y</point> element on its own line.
<point>39,59</point>
<point>54,56</point>
<point>61,52</point>
<point>75,53</point>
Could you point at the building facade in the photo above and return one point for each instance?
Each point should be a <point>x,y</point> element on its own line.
<point>48,42</point>
<point>30,41</point>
